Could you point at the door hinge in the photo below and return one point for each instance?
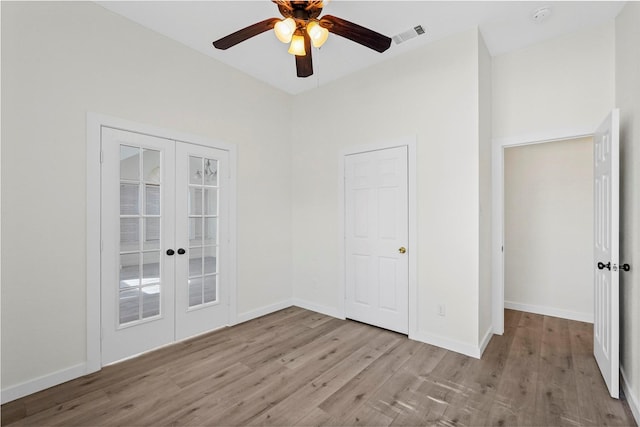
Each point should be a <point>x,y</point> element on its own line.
<point>101,156</point>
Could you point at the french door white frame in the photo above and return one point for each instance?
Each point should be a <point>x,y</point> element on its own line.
<point>497,224</point>
<point>412,244</point>
<point>95,122</point>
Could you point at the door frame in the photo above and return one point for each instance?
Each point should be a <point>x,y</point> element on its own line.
<point>412,243</point>
<point>95,122</point>
<point>497,223</point>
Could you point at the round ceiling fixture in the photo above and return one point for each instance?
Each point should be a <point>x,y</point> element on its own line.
<point>541,14</point>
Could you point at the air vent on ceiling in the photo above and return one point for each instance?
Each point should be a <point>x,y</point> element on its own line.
<point>408,35</point>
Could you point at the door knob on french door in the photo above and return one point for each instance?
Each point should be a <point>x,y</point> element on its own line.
<point>181,251</point>
<point>170,252</point>
<point>602,266</point>
<point>402,249</point>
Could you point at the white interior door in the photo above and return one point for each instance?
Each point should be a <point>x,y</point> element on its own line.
<point>164,231</point>
<point>606,259</point>
<point>376,236</point>
<point>137,228</point>
<point>202,304</point>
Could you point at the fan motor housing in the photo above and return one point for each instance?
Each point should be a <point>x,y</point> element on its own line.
<point>299,10</point>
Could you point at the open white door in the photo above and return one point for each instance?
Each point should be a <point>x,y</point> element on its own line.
<point>606,260</point>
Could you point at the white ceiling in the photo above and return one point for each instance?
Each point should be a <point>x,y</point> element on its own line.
<point>505,26</point>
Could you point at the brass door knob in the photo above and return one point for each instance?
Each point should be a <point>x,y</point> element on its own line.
<point>402,249</point>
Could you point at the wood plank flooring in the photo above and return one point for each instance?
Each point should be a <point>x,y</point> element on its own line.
<point>300,368</point>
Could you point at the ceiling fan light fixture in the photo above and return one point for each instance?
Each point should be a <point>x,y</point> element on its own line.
<point>284,29</point>
<point>317,33</point>
<point>297,45</point>
<point>303,26</point>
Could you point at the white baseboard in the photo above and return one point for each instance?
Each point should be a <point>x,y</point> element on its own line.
<point>485,340</point>
<point>550,311</point>
<point>632,399</point>
<point>41,383</point>
<point>449,344</point>
<point>262,311</point>
<point>329,311</point>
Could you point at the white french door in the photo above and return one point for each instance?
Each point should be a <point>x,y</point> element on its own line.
<point>162,264</point>
<point>201,301</point>
<point>606,256</point>
<point>376,236</point>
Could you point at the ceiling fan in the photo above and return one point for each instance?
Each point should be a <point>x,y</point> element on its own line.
<point>302,27</point>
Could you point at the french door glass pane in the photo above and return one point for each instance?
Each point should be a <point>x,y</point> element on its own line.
<point>210,201</point>
<point>195,170</point>
<point>210,259</point>
<point>203,230</point>
<point>140,281</point>
<point>195,262</point>
<point>195,232</point>
<point>129,199</point>
<point>210,290</point>
<point>150,301</point>
<point>129,270</point>
<point>129,163</point>
<point>152,199</point>
<point>195,201</point>
<point>151,268</point>
<point>151,233</point>
<point>210,172</point>
<point>210,231</point>
<point>129,304</point>
<point>129,234</point>
<point>195,291</point>
<point>151,166</point>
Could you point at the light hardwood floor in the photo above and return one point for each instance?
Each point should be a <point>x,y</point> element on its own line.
<point>297,367</point>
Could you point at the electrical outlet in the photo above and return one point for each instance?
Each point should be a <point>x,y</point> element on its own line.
<point>441,310</point>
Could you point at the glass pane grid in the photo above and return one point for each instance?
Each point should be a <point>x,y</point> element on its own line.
<point>140,216</point>
<point>203,202</point>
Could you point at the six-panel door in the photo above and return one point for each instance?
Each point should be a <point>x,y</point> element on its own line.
<point>376,238</point>
<point>606,255</point>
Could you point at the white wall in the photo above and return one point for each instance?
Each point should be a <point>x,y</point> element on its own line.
<point>628,100</point>
<point>431,93</point>
<point>61,60</point>
<point>548,247</point>
<point>563,85</point>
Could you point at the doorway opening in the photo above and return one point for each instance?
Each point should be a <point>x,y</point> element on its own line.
<point>548,228</point>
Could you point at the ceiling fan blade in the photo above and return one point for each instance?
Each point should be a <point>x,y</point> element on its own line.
<point>245,33</point>
<point>304,64</point>
<point>356,33</point>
